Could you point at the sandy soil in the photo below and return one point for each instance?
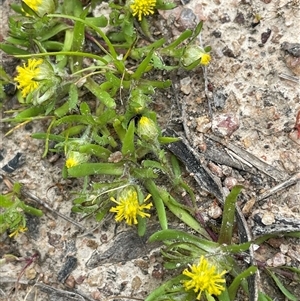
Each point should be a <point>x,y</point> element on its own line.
<point>246,101</point>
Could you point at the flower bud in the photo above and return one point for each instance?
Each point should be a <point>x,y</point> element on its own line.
<point>147,129</point>
<point>193,53</point>
<point>75,158</point>
<point>138,101</point>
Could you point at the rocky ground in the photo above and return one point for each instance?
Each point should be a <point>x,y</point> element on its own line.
<point>239,114</point>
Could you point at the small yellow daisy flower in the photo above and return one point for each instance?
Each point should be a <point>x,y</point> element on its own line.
<point>26,76</point>
<point>128,206</point>
<point>204,278</point>
<point>143,8</point>
<point>20,229</point>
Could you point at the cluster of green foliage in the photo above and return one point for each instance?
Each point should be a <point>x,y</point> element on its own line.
<point>95,103</point>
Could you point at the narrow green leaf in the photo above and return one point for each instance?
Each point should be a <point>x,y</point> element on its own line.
<point>88,169</point>
<point>13,50</point>
<point>158,203</point>
<point>263,297</point>
<point>281,286</point>
<point>94,149</point>
<point>181,236</point>
<point>54,31</point>
<point>30,112</point>
<point>100,21</point>
<point>165,288</point>
<point>152,164</point>
<point>228,216</point>
<point>103,96</point>
<point>141,69</point>
<point>51,137</point>
<point>78,42</point>
<point>73,96</point>
<point>182,214</point>
<point>128,142</point>
<point>62,110</point>
<point>232,249</point>
<point>167,140</point>
<point>233,288</point>
<point>31,210</point>
<point>74,119</point>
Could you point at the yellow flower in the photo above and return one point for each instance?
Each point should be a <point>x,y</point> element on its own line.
<point>128,206</point>
<point>204,278</point>
<point>71,162</point>
<point>26,76</point>
<point>17,231</point>
<point>205,59</point>
<point>147,129</point>
<point>41,7</point>
<point>33,4</point>
<point>143,8</point>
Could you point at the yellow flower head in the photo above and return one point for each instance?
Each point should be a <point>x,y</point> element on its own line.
<point>143,8</point>
<point>41,7</point>
<point>128,206</point>
<point>204,278</point>
<point>33,4</point>
<point>205,59</point>
<point>17,231</point>
<point>71,162</point>
<point>26,77</point>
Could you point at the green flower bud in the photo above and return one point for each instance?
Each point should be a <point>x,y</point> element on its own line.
<point>194,53</point>
<point>147,129</point>
<point>138,101</point>
<point>75,158</point>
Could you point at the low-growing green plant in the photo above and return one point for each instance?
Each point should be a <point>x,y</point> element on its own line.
<point>98,108</point>
<point>12,212</point>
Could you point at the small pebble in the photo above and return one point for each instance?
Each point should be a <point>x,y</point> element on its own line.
<point>185,85</point>
<point>230,182</point>
<point>293,63</point>
<point>225,124</point>
<point>215,169</point>
<point>187,19</point>
<point>268,218</point>
<point>265,36</point>
<point>30,273</point>
<point>115,157</point>
<point>278,260</point>
<point>225,18</point>
<point>214,211</point>
<point>70,282</point>
<point>203,124</point>
<point>239,19</point>
<point>284,248</point>
<point>136,283</point>
<point>96,295</point>
<point>248,206</point>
